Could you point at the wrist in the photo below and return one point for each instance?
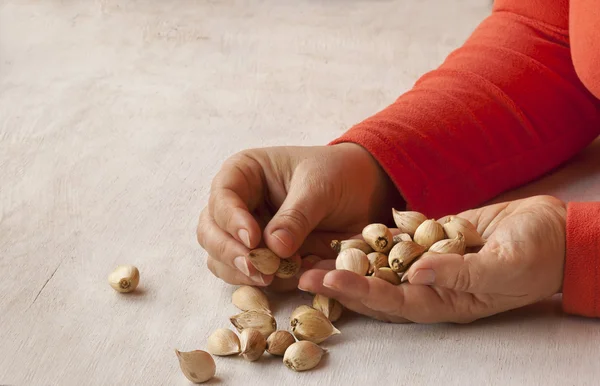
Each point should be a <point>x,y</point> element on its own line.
<point>385,194</point>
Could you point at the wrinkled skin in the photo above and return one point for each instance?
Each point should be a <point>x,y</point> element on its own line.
<point>521,263</point>
<point>293,200</point>
<point>315,194</point>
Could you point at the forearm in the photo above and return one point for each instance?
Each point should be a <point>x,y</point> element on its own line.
<point>500,111</point>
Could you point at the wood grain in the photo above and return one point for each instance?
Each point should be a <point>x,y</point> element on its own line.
<point>115,115</point>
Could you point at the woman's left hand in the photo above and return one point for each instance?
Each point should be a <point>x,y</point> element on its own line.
<point>521,263</point>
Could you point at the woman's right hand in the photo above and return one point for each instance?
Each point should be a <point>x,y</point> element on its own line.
<point>291,200</point>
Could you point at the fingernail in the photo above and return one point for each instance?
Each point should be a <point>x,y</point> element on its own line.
<point>244,237</point>
<point>257,278</point>
<point>301,288</point>
<point>404,277</point>
<point>284,237</point>
<point>329,282</point>
<point>423,276</point>
<point>242,265</point>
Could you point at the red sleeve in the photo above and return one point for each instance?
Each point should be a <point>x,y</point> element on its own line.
<point>584,30</point>
<point>581,283</point>
<point>502,110</point>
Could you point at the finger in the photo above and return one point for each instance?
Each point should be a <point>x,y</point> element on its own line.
<point>378,295</point>
<point>304,207</point>
<point>416,303</point>
<point>312,281</point>
<point>230,275</point>
<point>222,247</point>
<point>232,215</point>
<point>474,272</point>
<point>236,190</point>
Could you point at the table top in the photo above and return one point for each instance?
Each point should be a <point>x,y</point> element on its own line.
<point>115,117</point>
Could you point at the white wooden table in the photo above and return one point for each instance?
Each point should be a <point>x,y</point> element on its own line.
<point>114,117</point>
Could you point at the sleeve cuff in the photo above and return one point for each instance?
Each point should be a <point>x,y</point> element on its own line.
<point>407,180</point>
<point>581,289</point>
<point>420,190</point>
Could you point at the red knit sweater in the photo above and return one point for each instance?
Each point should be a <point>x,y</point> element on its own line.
<point>518,99</point>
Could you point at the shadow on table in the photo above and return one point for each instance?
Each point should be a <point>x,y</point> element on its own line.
<point>216,380</point>
<point>548,310</point>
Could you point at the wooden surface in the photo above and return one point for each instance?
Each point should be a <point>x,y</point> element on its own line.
<point>114,117</point>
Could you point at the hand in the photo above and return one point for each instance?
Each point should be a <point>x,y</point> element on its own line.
<point>521,263</point>
<point>291,199</point>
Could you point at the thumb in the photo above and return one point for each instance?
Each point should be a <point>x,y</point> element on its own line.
<point>301,211</point>
<point>473,272</point>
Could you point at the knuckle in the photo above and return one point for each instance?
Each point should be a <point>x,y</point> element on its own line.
<point>212,202</point>
<point>216,269</point>
<point>199,234</point>
<point>223,272</point>
<point>224,216</point>
<point>464,278</point>
<point>242,161</point>
<point>296,218</point>
<point>201,231</point>
<point>241,156</point>
<point>221,249</point>
<point>210,264</point>
<point>245,162</point>
<point>480,306</point>
<point>464,309</point>
<point>549,199</point>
